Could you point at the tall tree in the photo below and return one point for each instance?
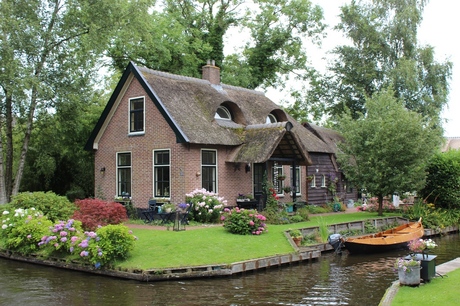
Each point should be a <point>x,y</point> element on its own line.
<point>387,149</point>
<point>383,51</point>
<point>184,34</point>
<point>48,48</point>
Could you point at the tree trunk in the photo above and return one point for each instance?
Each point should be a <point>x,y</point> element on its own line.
<point>3,198</point>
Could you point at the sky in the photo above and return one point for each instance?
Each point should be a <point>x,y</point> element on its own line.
<point>438,29</point>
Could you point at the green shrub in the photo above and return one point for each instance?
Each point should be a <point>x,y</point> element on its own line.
<point>100,248</point>
<point>244,222</point>
<point>303,212</point>
<point>432,217</point>
<point>113,242</point>
<point>206,205</point>
<point>22,229</point>
<point>443,180</point>
<point>54,207</point>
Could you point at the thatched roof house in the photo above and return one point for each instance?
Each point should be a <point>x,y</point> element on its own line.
<point>203,130</point>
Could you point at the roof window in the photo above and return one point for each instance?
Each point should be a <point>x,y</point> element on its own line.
<point>223,113</point>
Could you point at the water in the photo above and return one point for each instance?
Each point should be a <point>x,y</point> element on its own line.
<point>331,280</point>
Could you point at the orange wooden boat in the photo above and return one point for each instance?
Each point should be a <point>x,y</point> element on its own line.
<point>392,239</point>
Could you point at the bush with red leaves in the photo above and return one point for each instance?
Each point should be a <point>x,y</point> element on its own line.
<point>95,212</point>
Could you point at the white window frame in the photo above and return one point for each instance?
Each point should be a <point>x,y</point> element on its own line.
<point>323,181</point>
<point>277,183</point>
<point>216,166</point>
<point>313,181</point>
<point>271,119</point>
<point>298,179</point>
<point>226,111</point>
<point>143,117</point>
<point>154,192</point>
<point>124,167</point>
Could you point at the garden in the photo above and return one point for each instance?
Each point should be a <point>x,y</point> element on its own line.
<point>97,233</point>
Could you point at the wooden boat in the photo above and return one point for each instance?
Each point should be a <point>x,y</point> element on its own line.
<point>392,239</point>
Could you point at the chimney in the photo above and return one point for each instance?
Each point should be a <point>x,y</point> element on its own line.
<point>211,73</point>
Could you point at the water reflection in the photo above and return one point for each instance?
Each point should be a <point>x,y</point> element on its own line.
<point>332,280</point>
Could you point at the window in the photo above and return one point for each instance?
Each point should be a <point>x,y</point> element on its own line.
<point>161,171</point>
<point>323,180</point>
<point>136,115</point>
<point>313,181</point>
<point>297,179</point>
<point>124,174</point>
<point>271,119</point>
<point>209,170</point>
<point>277,184</point>
<point>223,113</point>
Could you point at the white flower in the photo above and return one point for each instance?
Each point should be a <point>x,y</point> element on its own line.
<point>4,226</point>
<point>5,212</point>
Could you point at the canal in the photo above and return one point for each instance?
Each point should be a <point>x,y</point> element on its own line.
<point>331,280</point>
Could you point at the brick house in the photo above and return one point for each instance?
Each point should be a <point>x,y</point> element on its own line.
<point>163,135</point>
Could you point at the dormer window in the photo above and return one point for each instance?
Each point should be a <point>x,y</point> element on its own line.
<point>271,119</point>
<point>223,113</point>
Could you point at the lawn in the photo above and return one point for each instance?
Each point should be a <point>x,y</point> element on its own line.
<point>439,291</point>
<point>214,245</point>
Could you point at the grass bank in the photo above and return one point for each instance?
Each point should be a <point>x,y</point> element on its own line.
<point>439,291</point>
<point>214,245</point>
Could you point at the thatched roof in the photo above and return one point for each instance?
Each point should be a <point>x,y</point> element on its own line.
<point>328,136</point>
<point>189,105</point>
<point>451,143</point>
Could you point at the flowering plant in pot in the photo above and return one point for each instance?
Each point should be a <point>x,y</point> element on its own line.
<point>421,245</point>
<point>406,265</point>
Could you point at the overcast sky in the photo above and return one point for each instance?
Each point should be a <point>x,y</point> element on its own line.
<point>441,22</point>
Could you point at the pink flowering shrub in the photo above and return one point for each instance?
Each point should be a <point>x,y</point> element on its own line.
<point>95,212</point>
<point>244,222</point>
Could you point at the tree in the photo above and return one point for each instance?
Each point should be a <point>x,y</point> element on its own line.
<point>184,34</point>
<point>443,182</point>
<point>49,50</point>
<point>387,149</point>
<point>383,52</point>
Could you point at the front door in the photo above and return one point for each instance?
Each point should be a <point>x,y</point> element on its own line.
<point>258,173</point>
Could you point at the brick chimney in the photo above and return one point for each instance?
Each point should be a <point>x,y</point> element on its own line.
<point>211,73</point>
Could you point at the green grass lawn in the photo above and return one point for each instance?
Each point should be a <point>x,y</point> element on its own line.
<point>439,291</point>
<point>214,245</point>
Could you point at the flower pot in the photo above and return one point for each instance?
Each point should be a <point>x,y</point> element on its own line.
<point>409,278</point>
<point>297,240</point>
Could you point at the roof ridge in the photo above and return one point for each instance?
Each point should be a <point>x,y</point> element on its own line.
<point>173,76</point>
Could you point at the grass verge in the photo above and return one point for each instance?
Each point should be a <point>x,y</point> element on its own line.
<point>439,291</point>
<point>214,245</point>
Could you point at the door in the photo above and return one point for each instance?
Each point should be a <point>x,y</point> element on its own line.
<point>258,178</point>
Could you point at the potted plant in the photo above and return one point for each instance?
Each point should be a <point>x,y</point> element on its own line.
<point>296,236</point>
<point>281,177</point>
<point>168,207</point>
<point>421,246</point>
<point>287,189</point>
<point>408,271</point>
<point>309,178</point>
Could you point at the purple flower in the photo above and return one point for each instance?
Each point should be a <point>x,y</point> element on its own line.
<point>63,239</point>
<point>84,253</point>
<point>63,233</point>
